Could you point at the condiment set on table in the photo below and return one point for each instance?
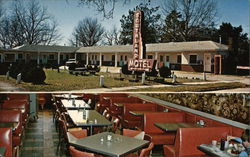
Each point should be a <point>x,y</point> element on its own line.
<point>229,147</point>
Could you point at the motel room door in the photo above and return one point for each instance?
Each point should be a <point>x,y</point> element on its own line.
<point>207,62</point>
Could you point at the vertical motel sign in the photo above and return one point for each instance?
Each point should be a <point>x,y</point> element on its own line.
<point>138,62</point>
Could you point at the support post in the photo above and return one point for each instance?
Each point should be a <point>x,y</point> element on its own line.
<point>116,59</point>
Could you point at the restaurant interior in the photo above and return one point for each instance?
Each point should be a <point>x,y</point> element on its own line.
<point>122,124</point>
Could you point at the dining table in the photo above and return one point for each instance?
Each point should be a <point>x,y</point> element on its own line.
<point>88,118</point>
<point>75,104</point>
<point>2,151</point>
<point>108,144</point>
<point>140,113</point>
<point>211,150</point>
<point>12,125</point>
<point>175,126</point>
<point>68,96</point>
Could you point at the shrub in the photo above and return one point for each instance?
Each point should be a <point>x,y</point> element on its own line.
<point>165,72</point>
<point>153,73</point>
<point>3,68</point>
<point>97,68</point>
<point>125,70</point>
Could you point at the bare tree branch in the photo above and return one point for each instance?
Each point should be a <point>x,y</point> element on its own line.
<point>88,32</point>
<point>30,24</point>
<point>112,37</point>
<point>106,7</point>
<point>195,14</point>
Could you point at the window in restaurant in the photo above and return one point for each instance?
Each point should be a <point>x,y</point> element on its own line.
<point>193,59</point>
<point>179,59</point>
<point>121,58</point>
<point>126,58</point>
<point>95,57</point>
<point>61,57</point>
<point>102,57</point>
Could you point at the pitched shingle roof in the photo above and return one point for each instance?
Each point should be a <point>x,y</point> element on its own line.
<point>46,48</point>
<point>160,47</point>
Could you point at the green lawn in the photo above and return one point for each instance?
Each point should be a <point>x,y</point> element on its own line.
<point>194,88</point>
<point>64,81</point>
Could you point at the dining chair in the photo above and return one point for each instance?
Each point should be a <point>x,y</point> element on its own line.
<point>147,137</point>
<point>130,132</point>
<point>63,138</point>
<point>76,153</point>
<point>146,152</point>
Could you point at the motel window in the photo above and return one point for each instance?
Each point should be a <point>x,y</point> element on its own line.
<point>150,57</point>
<point>161,58</point>
<point>20,56</point>
<point>167,58</point>
<point>10,57</point>
<point>113,57</point>
<point>126,58</point>
<point>121,58</point>
<point>193,59</point>
<point>179,59</point>
<point>51,57</point>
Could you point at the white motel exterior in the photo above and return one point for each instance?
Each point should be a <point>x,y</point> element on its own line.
<point>195,56</point>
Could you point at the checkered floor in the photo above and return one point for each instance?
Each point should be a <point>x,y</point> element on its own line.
<point>41,138</point>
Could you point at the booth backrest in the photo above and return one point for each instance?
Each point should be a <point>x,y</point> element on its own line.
<point>6,140</point>
<point>187,139</point>
<point>161,117</point>
<point>136,107</point>
<point>12,116</point>
<point>18,96</point>
<point>125,100</point>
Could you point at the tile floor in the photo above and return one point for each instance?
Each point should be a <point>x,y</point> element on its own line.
<point>41,138</point>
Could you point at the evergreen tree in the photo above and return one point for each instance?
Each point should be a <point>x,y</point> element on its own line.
<point>151,25</point>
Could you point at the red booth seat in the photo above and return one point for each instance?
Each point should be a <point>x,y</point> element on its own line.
<point>13,116</point>
<point>159,136</point>
<point>131,121</point>
<point>6,140</point>
<point>18,96</point>
<point>187,140</point>
<point>22,101</point>
<point>114,110</point>
<point>17,106</point>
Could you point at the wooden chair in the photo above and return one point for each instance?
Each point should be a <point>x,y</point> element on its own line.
<point>144,152</point>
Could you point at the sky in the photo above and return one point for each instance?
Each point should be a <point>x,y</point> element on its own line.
<point>68,13</point>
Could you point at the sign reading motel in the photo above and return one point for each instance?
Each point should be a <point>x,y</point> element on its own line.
<point>138,63</point>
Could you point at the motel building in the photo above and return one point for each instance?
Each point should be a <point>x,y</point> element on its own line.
<point>195,56</point>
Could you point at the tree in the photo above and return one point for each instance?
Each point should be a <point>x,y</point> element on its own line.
<point>238,43</point>
<point>151,25</point>
<point>172,28</point>
<point>106,7</point>
<point>28,25</point>
<point>112,37</point>
<point>192,14</point>
<point>88,32</point>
